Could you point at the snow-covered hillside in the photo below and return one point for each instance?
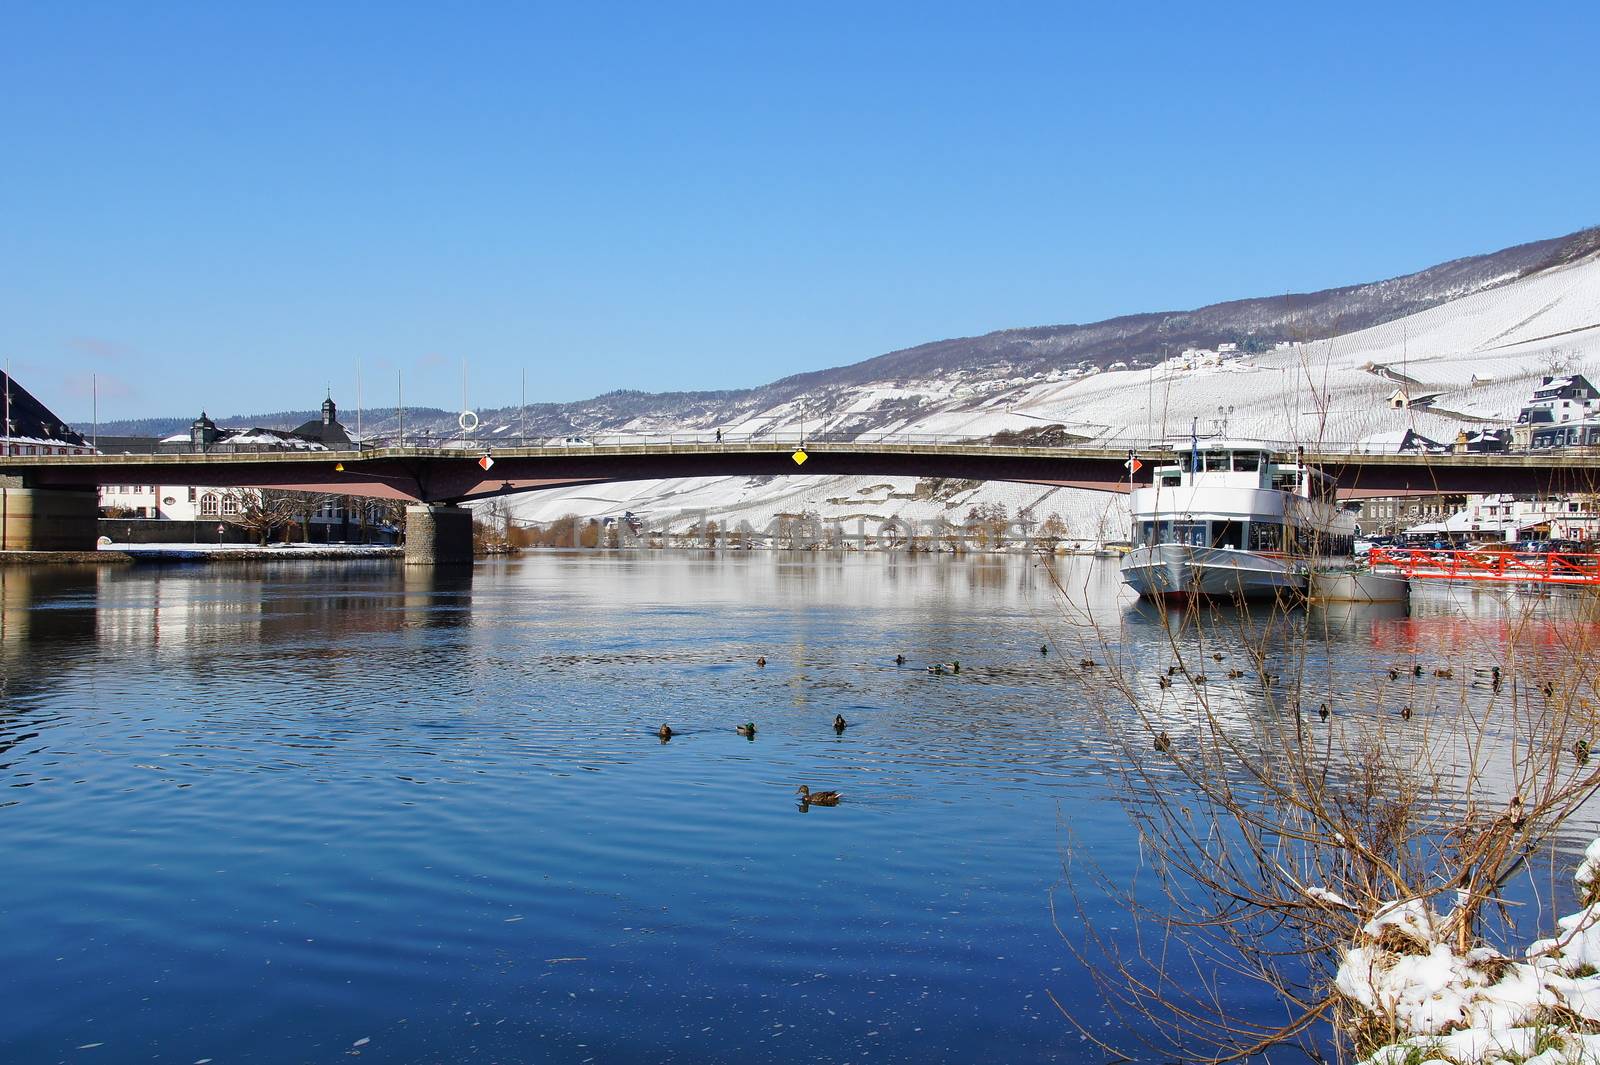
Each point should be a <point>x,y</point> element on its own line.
<point>1477,356</point>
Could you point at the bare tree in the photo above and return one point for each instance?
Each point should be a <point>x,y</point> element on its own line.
<point>262,511</point>
<point>1278,810</point>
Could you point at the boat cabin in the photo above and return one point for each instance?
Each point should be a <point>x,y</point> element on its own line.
<point>1238,495</point>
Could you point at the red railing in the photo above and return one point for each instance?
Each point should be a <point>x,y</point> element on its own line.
<point>1555,567</point>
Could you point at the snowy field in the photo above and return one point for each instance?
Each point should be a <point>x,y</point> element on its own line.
<point>1478,356</point>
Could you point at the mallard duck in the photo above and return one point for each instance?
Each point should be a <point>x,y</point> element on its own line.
<point>1323,712</point>
<point>746,729</point>
<point>1444,672</point>
<point>899,660</point>
<point>665,732</point>
<point>1217,657</point>
<point>1198,678</point>
<point>937,669</point>
<point>1086,663</point>
<point>955,667</point>
<point>1394,674</point>
<point>1416,671</point>
<point>1549,689</point>
<point>1405,713</point>
<point>1172,671</point>
<point>1044,648</point>
<point>1235,674</point>
<point>1581,751</point>
<point>1163,742</point>
<point>761,663</point>
<point>839,723</point>
<point>817,798</point>
<point>1165,682</point>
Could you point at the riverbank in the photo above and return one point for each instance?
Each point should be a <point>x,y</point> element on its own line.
<point>245,553</point>
<point>112,557</point>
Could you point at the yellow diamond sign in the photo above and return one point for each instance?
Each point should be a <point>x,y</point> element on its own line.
<point>800,456</point>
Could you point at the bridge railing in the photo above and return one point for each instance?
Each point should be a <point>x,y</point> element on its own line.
<point>1066,440</point>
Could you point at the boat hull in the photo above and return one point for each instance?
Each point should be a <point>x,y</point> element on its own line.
<point>1182,571</point>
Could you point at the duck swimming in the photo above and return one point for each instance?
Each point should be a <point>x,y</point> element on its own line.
<point>746,729</point>
<point>839,723</point>
<point>1163,742</point>
<point>665,732</point>
<point>817,798</point>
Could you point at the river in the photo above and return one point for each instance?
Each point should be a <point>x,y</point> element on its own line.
<point>320,810</point>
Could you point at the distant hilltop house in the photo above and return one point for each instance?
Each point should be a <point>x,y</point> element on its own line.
<point>32,429</point>
<point>1562,412</point>
<point>1403,398</point>
<point>1194,358</point>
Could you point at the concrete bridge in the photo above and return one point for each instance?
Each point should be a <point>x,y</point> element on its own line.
<point>51,503</point>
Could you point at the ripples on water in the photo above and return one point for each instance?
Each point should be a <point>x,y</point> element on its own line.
<point>261,815</point>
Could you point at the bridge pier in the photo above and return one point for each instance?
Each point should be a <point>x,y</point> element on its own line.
<point>48,519</point>
<point>438,535</point>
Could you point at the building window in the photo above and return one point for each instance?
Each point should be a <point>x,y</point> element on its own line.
<point>230,504</point>
<point>191,495</point>
<point>209,505</point>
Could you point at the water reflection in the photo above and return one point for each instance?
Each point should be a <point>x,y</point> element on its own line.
<point>275,811</point>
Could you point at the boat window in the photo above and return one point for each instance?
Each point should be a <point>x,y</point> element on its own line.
<point>1227,534</point>
<point>1247,462</point>
<point>1171,480</point>
<point>1184,464</point>
<point>1286,480</point>
<point>1266,536</point>
<point>1217,460</point>
<point>1192,533</point>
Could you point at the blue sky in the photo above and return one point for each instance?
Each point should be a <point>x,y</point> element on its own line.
<point>228,205</point>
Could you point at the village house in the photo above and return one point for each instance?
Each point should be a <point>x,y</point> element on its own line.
<point>197,513</point>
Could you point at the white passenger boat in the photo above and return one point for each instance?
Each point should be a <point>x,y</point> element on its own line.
<point>1228,520</point>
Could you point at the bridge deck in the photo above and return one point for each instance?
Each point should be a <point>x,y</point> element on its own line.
<point>435,473</point>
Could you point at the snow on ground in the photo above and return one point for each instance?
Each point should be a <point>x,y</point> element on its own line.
<point>1478,1007</point>
<point>201,550</point>
<point>1482,354</point>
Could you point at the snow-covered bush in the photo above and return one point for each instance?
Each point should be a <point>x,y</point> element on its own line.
<point>1412,997</point>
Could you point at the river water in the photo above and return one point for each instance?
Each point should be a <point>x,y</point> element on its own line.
<point>312,811</point>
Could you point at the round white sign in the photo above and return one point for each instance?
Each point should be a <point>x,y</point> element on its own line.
<point>468,421</point>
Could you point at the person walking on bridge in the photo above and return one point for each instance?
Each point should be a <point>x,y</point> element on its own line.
<point>719,436</point>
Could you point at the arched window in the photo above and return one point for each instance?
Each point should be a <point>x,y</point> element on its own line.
<point>209,505</point>
<point>230,504</point>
